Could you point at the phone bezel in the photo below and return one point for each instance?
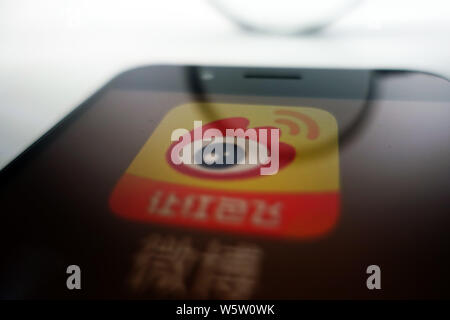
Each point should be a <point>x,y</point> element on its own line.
<point>292,82</point>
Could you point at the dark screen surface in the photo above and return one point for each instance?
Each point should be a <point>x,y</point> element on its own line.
<point>393,168</point>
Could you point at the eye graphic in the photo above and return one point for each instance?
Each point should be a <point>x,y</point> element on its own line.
<point>218,157</point>
<point>227,158</point>
<point>223,160</point>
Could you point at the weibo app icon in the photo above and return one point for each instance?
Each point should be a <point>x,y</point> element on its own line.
<point>300,201</point>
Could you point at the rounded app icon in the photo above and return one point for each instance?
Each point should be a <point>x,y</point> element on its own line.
<point>278,177</point>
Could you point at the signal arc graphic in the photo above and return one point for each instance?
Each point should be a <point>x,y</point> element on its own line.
<point>294,129</point>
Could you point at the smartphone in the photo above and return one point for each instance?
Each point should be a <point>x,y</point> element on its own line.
<point>332,184</point>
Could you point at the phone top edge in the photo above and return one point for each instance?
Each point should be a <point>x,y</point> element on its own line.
<point>163,76</point>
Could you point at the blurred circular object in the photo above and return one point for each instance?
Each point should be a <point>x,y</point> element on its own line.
<point>284,16</point>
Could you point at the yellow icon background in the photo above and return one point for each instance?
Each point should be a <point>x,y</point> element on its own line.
<point>315,167</point>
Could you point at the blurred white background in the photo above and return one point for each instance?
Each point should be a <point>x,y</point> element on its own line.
<point>55,53</point>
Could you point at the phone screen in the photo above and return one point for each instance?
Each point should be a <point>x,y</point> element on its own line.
<point>352,185</point>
